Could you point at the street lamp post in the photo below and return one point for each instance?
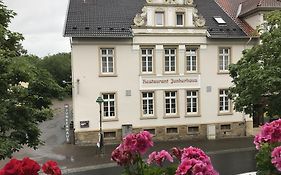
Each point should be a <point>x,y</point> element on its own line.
<point>100,101</point>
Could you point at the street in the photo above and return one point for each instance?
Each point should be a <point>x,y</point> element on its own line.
<point>225,162</point>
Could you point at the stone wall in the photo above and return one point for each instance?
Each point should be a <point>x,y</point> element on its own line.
<point>184,132</point>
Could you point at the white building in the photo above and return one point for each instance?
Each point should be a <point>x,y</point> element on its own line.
<point>159,65</point>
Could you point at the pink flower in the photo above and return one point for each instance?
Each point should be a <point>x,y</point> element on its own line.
<point>276,158</point>
<point>159,157</point>
<point>194,161</point>
<point>122,156</point>
<point>177,152</point>
<point>270,133</point>
<point>51,168</point>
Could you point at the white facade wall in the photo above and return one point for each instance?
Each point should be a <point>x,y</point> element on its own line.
<point>85,57</point>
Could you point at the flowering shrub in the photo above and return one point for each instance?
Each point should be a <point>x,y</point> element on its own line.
<point>268,144</point>
<point>195,161</point>
<point>192,161</point>
<point>27,166</point>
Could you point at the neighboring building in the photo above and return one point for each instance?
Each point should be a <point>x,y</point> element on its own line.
<point>159,65</point>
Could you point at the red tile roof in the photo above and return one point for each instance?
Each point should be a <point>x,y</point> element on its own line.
<point>231,7</point>
<point>250,5</point>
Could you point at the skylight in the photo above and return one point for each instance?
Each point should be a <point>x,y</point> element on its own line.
<point>219,20</point>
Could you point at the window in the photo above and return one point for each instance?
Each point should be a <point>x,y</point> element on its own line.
<point>193,129</point>
<point>109,105</point>
<point>192,102</point>
<point>107,61</point>
<point>219,20</point>
<point>159,18</point>
<point>191,60</point>
<point>147,103</point>
<point>171,102</point>
<point>224,102</point>
<point>171,130</point>
<point>226,127</point>
<point>224,59</point>
<point>180,19</point>
<point>110,135</point>
<point>147,60</point>
<point>170,60</point>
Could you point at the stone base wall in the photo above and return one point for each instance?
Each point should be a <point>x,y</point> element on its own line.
<point>162,133</point>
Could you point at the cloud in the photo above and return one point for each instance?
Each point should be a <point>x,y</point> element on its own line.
<point>41,22</point>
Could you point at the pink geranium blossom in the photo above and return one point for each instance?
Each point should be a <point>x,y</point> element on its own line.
<point>132,146</point>
<point>194,161</point>
<point>159,157</point>
<point>270,133</point>
<point>177,152</point>
<point>276,158</point>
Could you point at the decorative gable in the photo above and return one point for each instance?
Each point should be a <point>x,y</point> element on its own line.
<point>169,14</point>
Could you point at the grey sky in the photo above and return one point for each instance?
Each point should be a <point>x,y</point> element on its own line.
<point>41,22</point>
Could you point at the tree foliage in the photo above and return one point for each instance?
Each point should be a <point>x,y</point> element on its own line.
<point>257,75</point>
<point>25,92</point>
<point>59,66</point>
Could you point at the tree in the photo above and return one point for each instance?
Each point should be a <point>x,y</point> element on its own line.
<point>257,75</point>
<point>25,92</point>
<point>59,66</point>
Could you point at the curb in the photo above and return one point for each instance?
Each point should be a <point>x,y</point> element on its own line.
<point>109,165</point>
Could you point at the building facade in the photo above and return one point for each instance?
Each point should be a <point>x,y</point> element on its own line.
<point>159,65</point>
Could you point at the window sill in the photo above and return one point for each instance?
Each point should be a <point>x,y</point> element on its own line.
<point>223,72</point>
<point>170,73</point>
<point>225,113</point>
<point>109,119</point>
<point>191,72</point>
<point>192,115</point>
<point>171,116</point>
<point>107,75</point>
<point>148,117</point>
<point>147,74</point>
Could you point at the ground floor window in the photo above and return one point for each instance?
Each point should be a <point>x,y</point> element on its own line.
<point>192,102</point>
<point>170,102</point>
<point>224,102</point>
<point>109,109</point>
<point>172,130</point>
<point>147,103</point>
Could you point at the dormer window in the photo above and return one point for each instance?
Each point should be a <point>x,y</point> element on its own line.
<point>219,20</point>
<point>180,19</point>
<point>159,18</point>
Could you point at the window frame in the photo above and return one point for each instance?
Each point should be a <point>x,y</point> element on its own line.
<point>170,62</point>
<point>171,115</point>
<point>193,132</point>
<point>224,95</point>
<point>141,61</point>
<point>101,73</point>
<point>109,118</point>
<point>110,138</point>
<point>183,19</point>
<point>149,116</point>
<point>223,55</point>
<point>197,113</point>
<point>192,55</point>
<point>171,127</point>
<point>156,20</point>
